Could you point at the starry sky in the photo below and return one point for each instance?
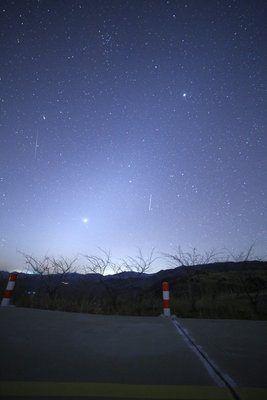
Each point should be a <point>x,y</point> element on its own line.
<point>132,123</point>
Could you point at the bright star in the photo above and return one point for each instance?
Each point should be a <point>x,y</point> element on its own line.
<point>85,220</point>
<point>184,94</point>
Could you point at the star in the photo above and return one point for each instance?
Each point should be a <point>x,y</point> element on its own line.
<point>126,114</point>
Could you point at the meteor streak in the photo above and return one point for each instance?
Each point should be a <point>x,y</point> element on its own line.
<point>150,202</point>
<point>36,146</point>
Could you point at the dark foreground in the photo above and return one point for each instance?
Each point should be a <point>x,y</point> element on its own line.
<point>51,354</point>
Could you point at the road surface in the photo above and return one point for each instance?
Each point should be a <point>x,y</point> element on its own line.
<point>52,355</point>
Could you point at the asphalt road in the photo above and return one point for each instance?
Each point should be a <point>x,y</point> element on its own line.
<point>239,347</point>
<point>51,354</point>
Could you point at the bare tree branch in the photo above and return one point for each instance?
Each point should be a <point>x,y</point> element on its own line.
<point>100,264</point>
<point>51,270</point>
<point>243,256</point>
<point>140,263</point>
<point>191,258</point>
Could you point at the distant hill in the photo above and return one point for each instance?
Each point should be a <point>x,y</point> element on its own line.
<point>165,274</point>
<point>217,290</point>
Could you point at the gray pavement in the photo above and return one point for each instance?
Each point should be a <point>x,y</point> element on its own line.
<point>46,354</point>
<point>238,347</point>
<point>57,346</point>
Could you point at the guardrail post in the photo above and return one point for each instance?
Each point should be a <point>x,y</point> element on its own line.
<point>166,299</point>
<point>9,289</point>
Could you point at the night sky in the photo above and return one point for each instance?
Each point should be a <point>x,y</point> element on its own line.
<point>129,124</point>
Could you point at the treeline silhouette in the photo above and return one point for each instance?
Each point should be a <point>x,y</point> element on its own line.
<point>199,286</point>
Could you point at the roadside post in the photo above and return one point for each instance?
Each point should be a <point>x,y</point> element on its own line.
<point>8,293</point>
<point>166,299</point>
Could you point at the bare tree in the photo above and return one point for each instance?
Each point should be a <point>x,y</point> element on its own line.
<point>140,263</point>
<point>52,271</point>
<point>191,260</point>
<point>242,256</point>
<point>99,265</point>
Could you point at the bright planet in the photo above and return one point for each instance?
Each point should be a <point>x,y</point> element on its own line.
<point>149,115</point>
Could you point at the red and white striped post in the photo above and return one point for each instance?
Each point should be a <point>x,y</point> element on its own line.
<point>166,299</point>
<point>9,289</point>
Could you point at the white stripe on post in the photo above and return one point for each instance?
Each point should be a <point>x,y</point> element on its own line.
<point>9,289</point>
<point>166,299</point>
<point>10,285</point>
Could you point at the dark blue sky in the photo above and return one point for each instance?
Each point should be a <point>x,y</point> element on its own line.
<point>129,124</point>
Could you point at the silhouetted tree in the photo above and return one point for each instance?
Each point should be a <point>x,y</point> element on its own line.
<point>190,261</point>
<point>242,256</point>
<point>99,265</point>
<point>191,258</point>
<point>52,271</point>
<point>102,264</point>
<point>139,263</point>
